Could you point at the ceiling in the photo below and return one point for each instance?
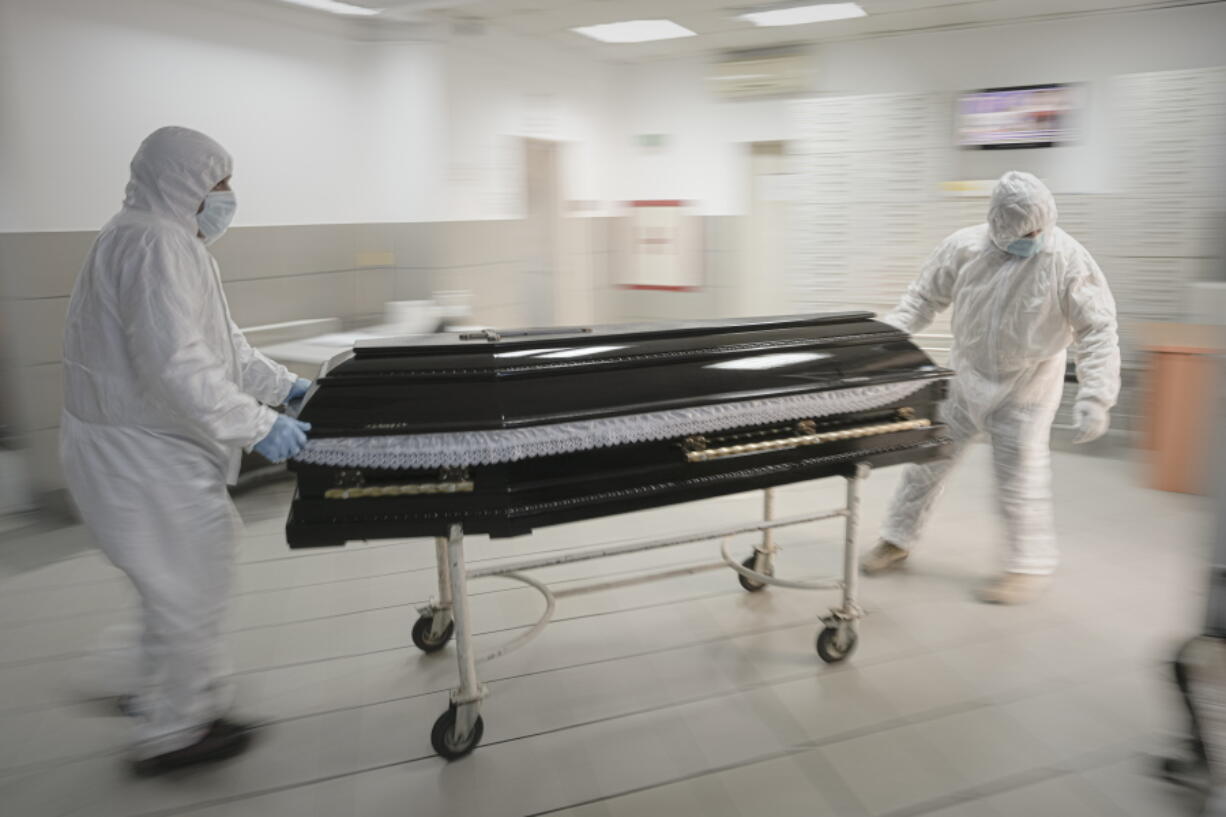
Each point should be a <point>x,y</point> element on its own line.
<point>716,24</point>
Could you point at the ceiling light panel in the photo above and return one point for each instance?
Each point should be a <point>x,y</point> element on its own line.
<point>803,15</point>
<point>635,31</point>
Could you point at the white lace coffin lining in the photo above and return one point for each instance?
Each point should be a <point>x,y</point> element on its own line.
<point>464,448</point>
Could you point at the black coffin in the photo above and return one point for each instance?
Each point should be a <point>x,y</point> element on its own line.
<point>504,433</point>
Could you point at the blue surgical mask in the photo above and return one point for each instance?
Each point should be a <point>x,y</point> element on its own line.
<point>218,212</point>
<point>1025,247</point>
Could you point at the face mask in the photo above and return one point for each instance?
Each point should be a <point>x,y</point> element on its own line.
<point>218,212</point>
<point>1025,247</point>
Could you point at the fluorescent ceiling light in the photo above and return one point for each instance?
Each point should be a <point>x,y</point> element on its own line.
<point>336,7</point>
<point>800,15</point>
<point>635,31</point>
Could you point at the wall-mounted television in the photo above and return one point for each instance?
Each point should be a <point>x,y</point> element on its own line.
<point>1026,116</point>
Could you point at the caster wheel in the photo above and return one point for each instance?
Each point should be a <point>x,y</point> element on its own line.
<point>828,646</point>
<point>445,745</point>
<point>750,584</point>
<point>424,640</point>
<point>1178,769</point>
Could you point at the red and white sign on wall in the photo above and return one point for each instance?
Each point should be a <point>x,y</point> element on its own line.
<point>665,247</point>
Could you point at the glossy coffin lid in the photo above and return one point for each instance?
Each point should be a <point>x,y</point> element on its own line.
<point>458,400</point>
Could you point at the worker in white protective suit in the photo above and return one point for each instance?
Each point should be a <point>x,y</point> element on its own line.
<point>161,394</point>
<point>1022,290</point>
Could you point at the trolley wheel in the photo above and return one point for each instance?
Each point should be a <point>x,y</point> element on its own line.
<point>441,736</point>
<point>746,582</point>
<point>828,646</point>
<point>1178,769</point>
<point>422,637</point>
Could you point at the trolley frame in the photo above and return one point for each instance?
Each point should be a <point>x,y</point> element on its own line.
<point>458,731</point>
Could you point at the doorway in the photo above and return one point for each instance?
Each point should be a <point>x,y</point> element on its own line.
<point>763,284</point>
<point>543,212</point>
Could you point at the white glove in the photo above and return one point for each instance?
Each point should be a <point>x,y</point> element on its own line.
<point>1091,420</point>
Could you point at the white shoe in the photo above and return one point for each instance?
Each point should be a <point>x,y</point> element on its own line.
<point>1014,588</point>
<point>885,557</point>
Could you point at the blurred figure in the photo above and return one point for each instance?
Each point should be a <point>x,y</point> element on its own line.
<point>161,391</point>
<point>1021,290</point>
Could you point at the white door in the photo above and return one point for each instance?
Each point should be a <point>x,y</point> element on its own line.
<point>763,269</point>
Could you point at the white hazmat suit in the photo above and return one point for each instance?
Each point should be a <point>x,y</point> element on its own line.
<point>161,393</point>
<point>1013,320</point>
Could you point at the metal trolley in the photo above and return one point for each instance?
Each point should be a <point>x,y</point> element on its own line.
<point>459,730</point>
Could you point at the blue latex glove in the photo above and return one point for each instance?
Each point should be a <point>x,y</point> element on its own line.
<point>298,390</point>
<point>287,438</point>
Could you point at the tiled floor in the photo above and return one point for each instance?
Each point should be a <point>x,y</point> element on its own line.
<point>684,696</point>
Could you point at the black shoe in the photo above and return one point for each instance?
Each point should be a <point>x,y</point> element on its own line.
<point>224,739</point>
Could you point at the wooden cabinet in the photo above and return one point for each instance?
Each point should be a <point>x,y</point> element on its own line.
<point>1181,386</point>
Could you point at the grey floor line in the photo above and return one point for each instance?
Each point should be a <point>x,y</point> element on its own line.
<point>23,662</point>
<point>928,715</point>
<point>430,569</point>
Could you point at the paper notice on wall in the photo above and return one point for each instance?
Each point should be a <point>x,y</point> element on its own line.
<point>665,247</point>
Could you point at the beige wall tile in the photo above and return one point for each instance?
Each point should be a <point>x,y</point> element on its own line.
<point>476,243</point>
<point>654,305</point>
<point>40,396</point>
<point>273,300</point>
<point>508,316</point>
<point>600,266</point>
<point>416,244</point>
<point>37,329</point>
<point>724,269</point>
<point>41,265</point>
<point>577,306</point>
<point>372,289</point>
<point>43,461</point>
<point>373,238</point>
<point>415,284</point>
<point>515,238</point>
<point>501,283</point>
<point>619,234</point>
<point>326,247</point>
<point>602,233</point>
<point>575,236</point>
<point>575,272</point>
<point>721,233</point>
<point>250,252</point>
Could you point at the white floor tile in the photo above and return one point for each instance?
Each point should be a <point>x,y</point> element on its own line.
<point>1066,796</point>
<point>893,769</point>
<point>833,704</point>
<point>1071,723</point>
<point>974,808</point>
<point>918,685</point>
<point>695,696</point>
<point>983,745</point>
<point>1135,792</point>
<point>1001,666</point>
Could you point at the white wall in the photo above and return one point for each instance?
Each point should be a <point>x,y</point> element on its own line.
<point>500,87</point>
<point>304,111</point>
<point>703,159</point>
<point>324,127</point>
<point>706,164</point>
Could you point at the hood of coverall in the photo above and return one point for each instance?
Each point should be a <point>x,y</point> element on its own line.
<point>1020,205</point>
<point>172,171</point>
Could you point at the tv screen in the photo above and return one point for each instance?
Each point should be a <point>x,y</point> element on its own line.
<point>1031,116</point>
